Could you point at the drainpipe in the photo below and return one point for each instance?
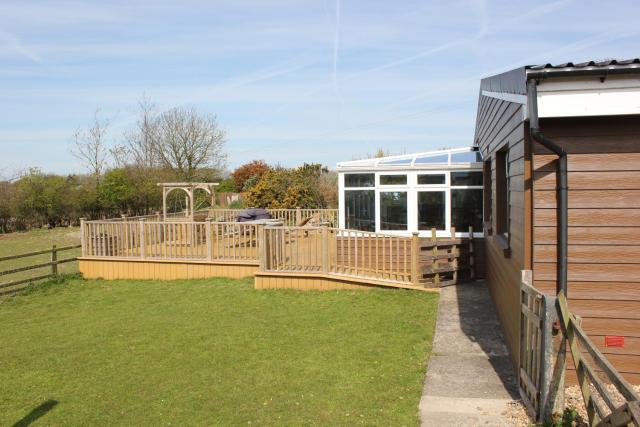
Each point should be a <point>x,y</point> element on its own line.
<point>561,190</point>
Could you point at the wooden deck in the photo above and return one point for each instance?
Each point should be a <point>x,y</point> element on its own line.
<point>287,257</point>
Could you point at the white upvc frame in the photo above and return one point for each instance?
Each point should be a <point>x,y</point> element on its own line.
<point>411,188</point>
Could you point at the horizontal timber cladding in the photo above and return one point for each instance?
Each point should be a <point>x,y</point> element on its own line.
<point>604,228</point>
<point>111,269</point>
<point>500,126</point>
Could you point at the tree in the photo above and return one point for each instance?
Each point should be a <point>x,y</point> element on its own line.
<point>186,141</point>
<point>90,146</point>
<point>141,140</point>
<point>248,175</point>
<point>289,188</point>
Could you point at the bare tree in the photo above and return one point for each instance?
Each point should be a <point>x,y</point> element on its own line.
<point>141,145</point>
<point>186,141</point>
<point>90,146</point>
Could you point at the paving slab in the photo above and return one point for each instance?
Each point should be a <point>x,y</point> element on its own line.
<point>470,379</point>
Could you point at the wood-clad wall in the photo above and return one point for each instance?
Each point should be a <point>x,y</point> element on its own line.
<point>111,269</point>
<point>499,126</point>
<point>604,228</point>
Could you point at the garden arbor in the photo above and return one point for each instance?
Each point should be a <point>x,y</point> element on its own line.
<point>189,188</point>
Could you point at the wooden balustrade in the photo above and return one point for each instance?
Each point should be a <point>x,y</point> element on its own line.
<point>337,251</point>
<point>290,217</point>
<point>180,240</point>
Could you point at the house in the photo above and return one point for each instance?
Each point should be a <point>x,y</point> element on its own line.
<point>561,152</point>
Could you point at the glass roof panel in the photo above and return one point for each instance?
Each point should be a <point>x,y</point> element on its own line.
<point>395,162</point>
<point>441,158</point>
<point>466,157</point>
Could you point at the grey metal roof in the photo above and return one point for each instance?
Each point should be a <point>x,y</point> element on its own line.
<point>605,63</point>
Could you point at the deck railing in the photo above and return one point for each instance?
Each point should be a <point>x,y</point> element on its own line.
<point>339,252</point>
<point>181,240</point>
<point>290,217</point>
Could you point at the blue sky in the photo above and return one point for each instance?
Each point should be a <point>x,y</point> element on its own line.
<point>290,80</point>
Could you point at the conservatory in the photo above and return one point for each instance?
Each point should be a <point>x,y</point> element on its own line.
<point>413,192</point>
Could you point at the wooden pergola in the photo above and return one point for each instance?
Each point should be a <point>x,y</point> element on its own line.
<point>189,188</point>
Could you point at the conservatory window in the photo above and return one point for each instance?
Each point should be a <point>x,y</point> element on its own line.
<point>393,179</point>
<point>431,210</point>
<point>360,210</point>
<point>466,179</point>
<point>431,179</point>
<point>393,210</point>
<point>359,180</point>
<point>466,209</point>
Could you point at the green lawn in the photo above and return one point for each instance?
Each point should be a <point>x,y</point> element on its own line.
<point>212,352</point>
<point>35,240</point>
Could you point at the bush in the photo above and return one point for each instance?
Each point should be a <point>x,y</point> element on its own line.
<point>247,175</point>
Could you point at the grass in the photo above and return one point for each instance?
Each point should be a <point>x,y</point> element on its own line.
<point>35,240</point>
<point>212,352</point>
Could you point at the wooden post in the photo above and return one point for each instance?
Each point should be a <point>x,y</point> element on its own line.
<point>83,237</point>
<point>54,260</point>
<point>208,240</point>
<point>472,260</point>
<point>157,216</point>
<point>434,263</point>
<point>325,250</point>
<point>143,248</point>
<point>298,215</point>
<point>415,259</point>
<point>124,217</point>
<point>454,254</point>
<point>262,248</point>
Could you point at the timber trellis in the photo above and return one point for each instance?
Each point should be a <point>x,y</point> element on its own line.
<point>542,366</point>
<point>14,285</point>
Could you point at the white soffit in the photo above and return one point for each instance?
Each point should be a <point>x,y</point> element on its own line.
<point>566,97</point>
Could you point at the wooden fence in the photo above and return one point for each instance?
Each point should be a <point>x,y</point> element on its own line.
<point>600,401</point>
<point>183,240</point>
<point>608,397</point>
<point>290,217</point>
<point>410,261</point>
<point>52,266</point>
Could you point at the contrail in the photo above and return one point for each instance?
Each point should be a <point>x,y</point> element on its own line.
<point>336,48</point>
<point>18,47</point>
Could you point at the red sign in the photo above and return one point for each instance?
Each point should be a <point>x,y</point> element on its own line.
<point>613,341</point>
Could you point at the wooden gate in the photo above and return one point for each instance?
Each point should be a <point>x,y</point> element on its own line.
<point>532,347</point>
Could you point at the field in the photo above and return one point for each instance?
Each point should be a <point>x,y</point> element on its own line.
<point>35,240</point>
<point>212,352</point>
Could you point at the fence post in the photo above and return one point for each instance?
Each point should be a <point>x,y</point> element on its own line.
<point>83,237</point>
<point>435,264</point>
<point>143,248</point>
<point>298,215</point>
<point>415,259</point>
<point>472,260</point>
<point>208,240</point>
<point>325,250</point>
<point>157,216</point>
<point>54,260</point>
<point>124,217</point>
<point>262,249</point>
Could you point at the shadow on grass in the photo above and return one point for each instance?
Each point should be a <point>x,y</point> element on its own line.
<point>36,413</point>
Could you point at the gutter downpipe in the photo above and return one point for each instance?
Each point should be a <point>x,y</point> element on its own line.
<point>562,188</point>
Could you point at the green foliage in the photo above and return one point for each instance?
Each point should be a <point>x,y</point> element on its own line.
<point>289,188</point>
<point>214,351</point>
<point>116,190</point>
<point>247,175</point>
<point>569,418</point>
<point>227,186</point>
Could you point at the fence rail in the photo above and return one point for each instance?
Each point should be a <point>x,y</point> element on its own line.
<point>12,286</point>
<point>339,252</point>
<point>600,402</point>
<point>290,217</point>
<point>179,240</point>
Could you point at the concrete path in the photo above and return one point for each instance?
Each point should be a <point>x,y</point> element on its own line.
<point>470,379</point>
